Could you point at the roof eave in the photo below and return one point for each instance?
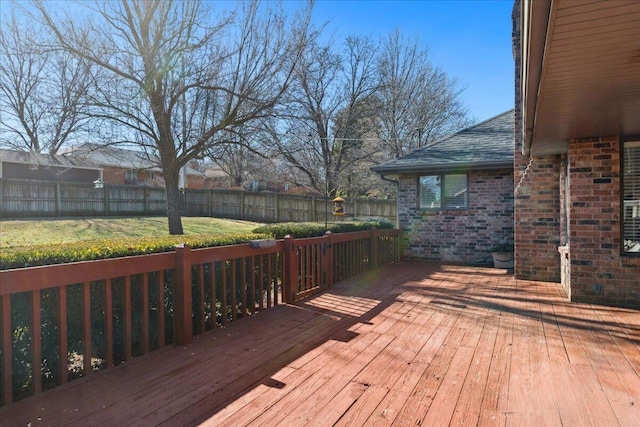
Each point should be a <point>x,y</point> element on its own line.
<point>404,170</point>
<point>534,29</point>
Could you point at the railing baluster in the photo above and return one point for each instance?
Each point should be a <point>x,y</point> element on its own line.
<point>307,268</point>
<point>127,317</point>
<point>253,286</point>
<point>63,343</point>
<point>145,313</point>
<point>7,339</point>
<point>261,283</point>
<point>234,290</point>
<point>201,297</point>
<point>276,263</point>
<point>36,341</point>
<point>108,320</point>
<point>161,314</point>
<point>243,278</point>
<point>214,308</point>
<point>269,278</point>
<point>223,291</point>
<point>86,328</point>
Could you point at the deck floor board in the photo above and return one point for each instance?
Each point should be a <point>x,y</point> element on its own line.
<point>408,344</point>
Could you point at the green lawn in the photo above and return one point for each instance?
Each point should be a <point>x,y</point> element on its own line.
<point>35,232</point>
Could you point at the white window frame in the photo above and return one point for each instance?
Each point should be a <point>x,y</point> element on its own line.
<point>630,195</point>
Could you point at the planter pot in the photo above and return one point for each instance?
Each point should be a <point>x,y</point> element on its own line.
<point>502,259</point>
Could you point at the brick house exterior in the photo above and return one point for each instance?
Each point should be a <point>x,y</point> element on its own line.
<point>22,165</point>
<point>571,121</point>
<point>484,153</point>
<point>129,167</point>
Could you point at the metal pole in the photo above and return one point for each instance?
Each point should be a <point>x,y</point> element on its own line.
<point>326,201</point>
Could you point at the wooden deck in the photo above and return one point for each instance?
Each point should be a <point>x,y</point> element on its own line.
<point>408,344</point>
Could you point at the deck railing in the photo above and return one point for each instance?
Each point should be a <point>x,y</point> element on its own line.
<point>62,322</point>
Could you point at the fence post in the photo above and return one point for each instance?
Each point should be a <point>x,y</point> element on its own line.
<point>290,269</point>
<point>373,256</point>
<point>241,204</point>
<point>277,207</point>
<point>105,196</point>
<point>182,295</point>
<point>400,244</point>
<point>58,200</point>
<point>145,197</point>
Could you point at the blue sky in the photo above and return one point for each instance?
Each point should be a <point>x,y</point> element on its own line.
<point>468,39</point>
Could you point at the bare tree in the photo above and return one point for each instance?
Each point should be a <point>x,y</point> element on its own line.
<point>178,83</point>
<point>330,95</point>
<point>44,93</point>
<point>421,102</point>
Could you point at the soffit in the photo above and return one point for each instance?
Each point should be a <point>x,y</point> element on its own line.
<point>590,80</point>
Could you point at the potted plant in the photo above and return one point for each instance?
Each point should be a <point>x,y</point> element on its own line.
<point>502,254</point>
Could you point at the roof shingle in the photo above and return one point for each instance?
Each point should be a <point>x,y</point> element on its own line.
<point>486,145</point>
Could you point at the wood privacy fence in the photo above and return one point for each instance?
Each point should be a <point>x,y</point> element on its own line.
<point>62,322</point>
<point>20,199</point>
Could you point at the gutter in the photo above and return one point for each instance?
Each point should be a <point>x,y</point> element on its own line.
<point>538,16</point>
<point>443,168</point>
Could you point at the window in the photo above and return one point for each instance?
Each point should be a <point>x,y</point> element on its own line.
<point>131,176</point>
<point>631,197</point>
<point>443,192</point>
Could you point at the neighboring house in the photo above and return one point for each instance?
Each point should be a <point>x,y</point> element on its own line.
<point>578,147</point>
<point>22,165</point>
<point>130,167</point>
<point>455,196</point>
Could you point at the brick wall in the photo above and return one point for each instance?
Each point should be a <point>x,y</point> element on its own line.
<point>537,218</point>
<point>115,176</point>
<point>459,236</point>
<point>598,272</point>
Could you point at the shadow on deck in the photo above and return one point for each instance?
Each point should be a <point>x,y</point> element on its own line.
<point>407,344</point>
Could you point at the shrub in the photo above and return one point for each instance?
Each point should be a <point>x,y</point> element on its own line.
<point>502,247</point>
<point>301,230</point>
<point>30,256</point>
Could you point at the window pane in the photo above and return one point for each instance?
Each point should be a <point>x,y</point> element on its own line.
<point>455,191</point>
<point>631,196</point>
<point>430,192</point>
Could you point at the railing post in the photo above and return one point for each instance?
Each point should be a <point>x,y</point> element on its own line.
<point>373,256</point>
<point>290,269</point>
<point>327,261</point>
<point>400,247</point>
<point>182,295</point>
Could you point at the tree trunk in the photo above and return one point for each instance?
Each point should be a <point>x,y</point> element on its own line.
<point>173,203</point>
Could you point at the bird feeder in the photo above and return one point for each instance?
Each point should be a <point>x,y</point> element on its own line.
<point>338,206</point>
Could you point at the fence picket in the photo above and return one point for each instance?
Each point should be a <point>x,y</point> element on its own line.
<point>44,199</point>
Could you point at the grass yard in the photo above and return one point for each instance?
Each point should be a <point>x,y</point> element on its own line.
<point>35,232</point>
